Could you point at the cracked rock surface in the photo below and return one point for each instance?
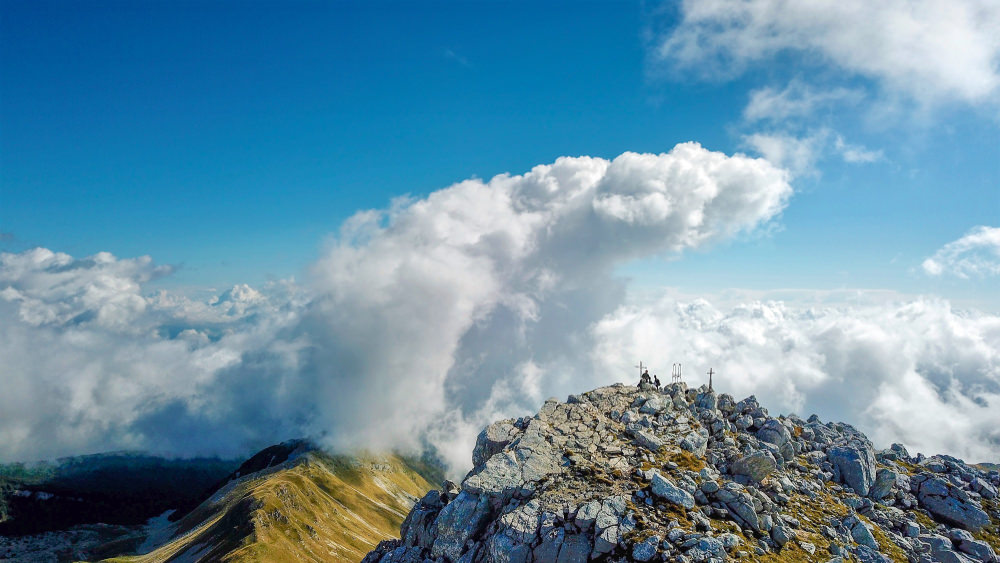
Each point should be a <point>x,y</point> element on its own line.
<point>639,474</point>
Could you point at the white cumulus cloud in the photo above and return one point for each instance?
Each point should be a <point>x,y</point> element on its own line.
<point>424,321</point>
<point>402,327</point>
<point>927,50</point>
<point>917,372</point>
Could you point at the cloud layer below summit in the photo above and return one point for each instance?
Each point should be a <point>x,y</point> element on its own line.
<point>423,321</point>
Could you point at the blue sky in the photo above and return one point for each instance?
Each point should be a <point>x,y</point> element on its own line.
<point>831,244</point>
<point>231,138</point>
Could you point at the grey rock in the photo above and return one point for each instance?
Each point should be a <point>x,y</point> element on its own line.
<point>524,501</point>
<point>984,488</point>
<point>948,556</point>
<point>935,542</point>
<point>935,464</point>
<point>605,541</point>
<point>744,422</point>
<point>742,509</point>
<point>586,515</point>
<point>730,541</point>
<point>575,548</point>
<point>885,479</point>
<point>457,522</point>
<point>867,554</point>
<point>667,490</point>
<point>862,534</point>
<point>696,443</point>
<point>706,400</point>
<point>521,524</point>
<point>977,549</point>
<point>416,528</point>
<point>654,405</point>
<point>493,439</point>
<point>501,548</point>
<point>945,503</point>
<point>644,438</point>
<point>774,432</point>
<point>782,534</point>
<point>756,466</point>
<point>705,549</point>
<point>747,405</point>
<point>726,404</point>
<point>552,542</point>
<point>856,464</point>
<point>499,476</point>
<point>646,550</point>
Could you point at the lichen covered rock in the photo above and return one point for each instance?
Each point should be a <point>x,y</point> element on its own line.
<point>626,474</point>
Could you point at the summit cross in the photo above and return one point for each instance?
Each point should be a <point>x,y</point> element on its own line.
<point>640,366</point>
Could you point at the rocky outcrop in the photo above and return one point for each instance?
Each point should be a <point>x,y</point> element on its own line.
<point>626,474</point>
<point>949,503</point>
<point>855,463</point>
<point>757,466</point>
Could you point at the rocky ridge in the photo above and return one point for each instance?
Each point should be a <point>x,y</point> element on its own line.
<point>627,474</point>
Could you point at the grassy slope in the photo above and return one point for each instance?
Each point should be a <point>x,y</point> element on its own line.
<point>322,508</point>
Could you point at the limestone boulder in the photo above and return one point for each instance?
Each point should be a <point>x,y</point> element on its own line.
<point>856,465</point>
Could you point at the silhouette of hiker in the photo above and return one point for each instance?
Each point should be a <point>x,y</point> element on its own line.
<point>656,382</point>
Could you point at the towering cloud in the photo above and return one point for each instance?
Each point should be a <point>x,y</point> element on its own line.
<point>423,321</point>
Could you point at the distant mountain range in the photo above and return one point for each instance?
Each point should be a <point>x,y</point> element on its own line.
<point>113,488</point>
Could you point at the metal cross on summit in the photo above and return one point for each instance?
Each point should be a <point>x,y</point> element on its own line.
<point>710,373</point>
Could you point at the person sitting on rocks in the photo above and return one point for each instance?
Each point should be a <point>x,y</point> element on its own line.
<point>645,378</point>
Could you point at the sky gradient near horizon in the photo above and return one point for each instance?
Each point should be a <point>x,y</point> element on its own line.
<point>224,224</point>
<point>230,139</point>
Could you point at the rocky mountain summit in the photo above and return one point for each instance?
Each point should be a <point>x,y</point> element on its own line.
<point>627,474</point>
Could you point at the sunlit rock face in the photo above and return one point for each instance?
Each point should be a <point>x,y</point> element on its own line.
<point>642,474</point>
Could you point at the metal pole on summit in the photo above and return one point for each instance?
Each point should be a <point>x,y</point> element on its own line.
<point>710,373</point>
<point>675,374</point>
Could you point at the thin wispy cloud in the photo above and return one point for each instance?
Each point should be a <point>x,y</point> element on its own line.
<point>797,154</point>
<point>461,60</point>
<point>801,154</point>
<point>856,154</point>
<point>975,255</point>
<point>795,101</point>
